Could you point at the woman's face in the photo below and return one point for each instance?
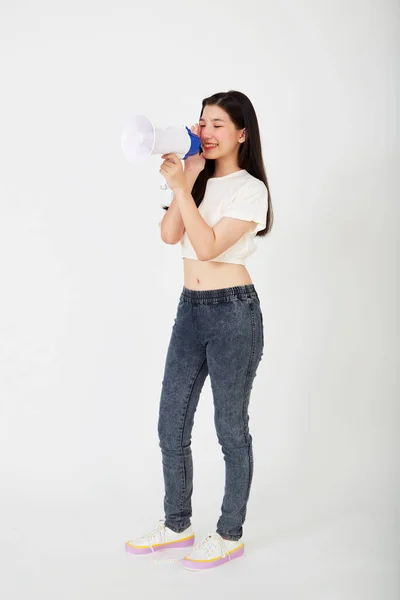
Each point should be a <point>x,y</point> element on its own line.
<point>216,128</point>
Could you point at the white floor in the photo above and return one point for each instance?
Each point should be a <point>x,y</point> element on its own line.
<point>336,541</point>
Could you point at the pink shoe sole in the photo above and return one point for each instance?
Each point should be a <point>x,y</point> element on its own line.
<point>184,543</point>
<point>199,565</point>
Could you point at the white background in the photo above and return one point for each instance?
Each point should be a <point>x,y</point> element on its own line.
<point>89,294</point>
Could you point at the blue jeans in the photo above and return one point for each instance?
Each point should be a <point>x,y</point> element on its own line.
<point>220,333</point>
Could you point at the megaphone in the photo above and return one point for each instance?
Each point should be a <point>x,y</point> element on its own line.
<point>140,139</point>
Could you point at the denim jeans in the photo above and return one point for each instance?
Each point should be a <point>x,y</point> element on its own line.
<point>220,333</point>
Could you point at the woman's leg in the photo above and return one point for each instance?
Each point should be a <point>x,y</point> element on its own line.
<point>230,325</point>
<point>184,377</point>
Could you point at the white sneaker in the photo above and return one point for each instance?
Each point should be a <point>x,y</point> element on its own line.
<point>212,551</point>
<point>160,538</point>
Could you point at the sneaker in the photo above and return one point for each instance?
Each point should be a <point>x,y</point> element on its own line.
<point>212,551</point>
<point>160,538</point>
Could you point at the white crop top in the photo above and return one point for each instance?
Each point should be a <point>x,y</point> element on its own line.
<point>238,195</point>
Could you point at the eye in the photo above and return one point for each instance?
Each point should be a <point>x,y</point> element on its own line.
<point>216,126</point>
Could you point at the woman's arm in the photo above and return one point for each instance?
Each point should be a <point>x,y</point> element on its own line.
<point>172,226</point>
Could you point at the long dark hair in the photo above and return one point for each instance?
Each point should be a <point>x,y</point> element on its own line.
<point>242,113</point>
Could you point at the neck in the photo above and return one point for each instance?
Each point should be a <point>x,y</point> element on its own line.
<point>226,165</point>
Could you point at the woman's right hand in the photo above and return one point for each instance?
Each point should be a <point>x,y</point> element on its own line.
<point>196,162</point>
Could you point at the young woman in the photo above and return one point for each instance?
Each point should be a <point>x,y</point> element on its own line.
<point>221,203</point>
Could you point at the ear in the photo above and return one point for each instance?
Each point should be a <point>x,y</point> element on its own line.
<point>243,136</point>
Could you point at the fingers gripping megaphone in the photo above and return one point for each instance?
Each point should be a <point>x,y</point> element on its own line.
<point>140,138</point>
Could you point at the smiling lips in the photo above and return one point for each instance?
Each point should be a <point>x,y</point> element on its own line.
<point>210,147</point>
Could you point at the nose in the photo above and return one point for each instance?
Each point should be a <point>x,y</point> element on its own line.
<point>204,136</point>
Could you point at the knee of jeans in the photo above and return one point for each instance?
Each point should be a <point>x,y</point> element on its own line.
<point>162,433</point>
<point>168,436</point>
<point>233,437</point>
<point>174,444</point>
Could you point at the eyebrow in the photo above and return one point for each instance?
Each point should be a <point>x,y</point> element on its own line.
<point>212,119</point>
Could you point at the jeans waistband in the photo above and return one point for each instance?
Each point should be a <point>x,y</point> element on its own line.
<point>219,295</point>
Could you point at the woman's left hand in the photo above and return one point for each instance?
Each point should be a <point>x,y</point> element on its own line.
<point>172,170</point>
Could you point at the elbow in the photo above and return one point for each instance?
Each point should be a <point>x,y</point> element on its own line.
<point>204,256</point>
<point>166,240</point>
<point>207,254</point>
<point>169,239</point>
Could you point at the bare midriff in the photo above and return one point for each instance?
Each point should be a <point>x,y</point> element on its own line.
<point>213,275</point>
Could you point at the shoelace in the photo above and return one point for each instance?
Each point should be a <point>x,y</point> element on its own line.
<point>210,543</point>
<point>158,533</point>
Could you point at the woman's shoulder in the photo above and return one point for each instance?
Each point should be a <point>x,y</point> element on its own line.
<point>251,183</point>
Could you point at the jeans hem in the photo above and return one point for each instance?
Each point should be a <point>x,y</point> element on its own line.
<point>231,538</point>
<point>179,530</point>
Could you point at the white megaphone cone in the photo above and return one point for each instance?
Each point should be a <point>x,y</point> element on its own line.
<point>140,138</point>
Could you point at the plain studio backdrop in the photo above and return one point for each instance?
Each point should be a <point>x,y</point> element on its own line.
<point>89,293</point>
